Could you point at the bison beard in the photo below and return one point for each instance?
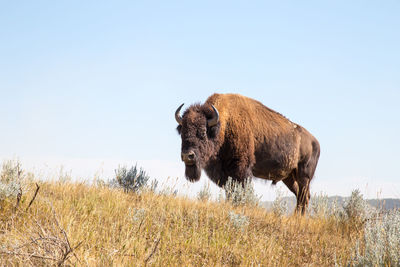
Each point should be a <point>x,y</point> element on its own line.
<point>193,172</point>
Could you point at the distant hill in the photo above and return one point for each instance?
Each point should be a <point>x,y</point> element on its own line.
<point>385,203</point>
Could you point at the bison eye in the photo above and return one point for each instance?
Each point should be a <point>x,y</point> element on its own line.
<point>202,134</point>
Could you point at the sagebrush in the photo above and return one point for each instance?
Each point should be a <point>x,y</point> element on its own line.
<point>130,180</point>
<point>241,193</point>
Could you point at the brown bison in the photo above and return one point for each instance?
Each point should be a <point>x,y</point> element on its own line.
<point>234,136</point>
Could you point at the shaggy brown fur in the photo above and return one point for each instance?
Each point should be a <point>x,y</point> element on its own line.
<point>249,140</point>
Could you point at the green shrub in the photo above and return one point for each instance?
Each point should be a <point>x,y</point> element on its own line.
<point>241,194</point>
<point>238,221</point>
<point>381,242</point>
<point>319,206</point>
<point>279,206</point>
<point>10,179</point>
<point>204,194</point>
<point>137,214</point>
<point>357,209</point>
<point>132,180</point>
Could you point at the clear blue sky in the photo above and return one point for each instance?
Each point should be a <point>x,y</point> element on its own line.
<point>102,80</point>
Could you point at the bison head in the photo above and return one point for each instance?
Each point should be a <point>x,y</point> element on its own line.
<point>198,128</point>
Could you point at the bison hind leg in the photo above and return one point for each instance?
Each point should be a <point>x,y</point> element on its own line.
<point>300,190</point>
<point>291,183</point>
<point>293,186</point>
<point>305,173</point>
<point>303,197</point>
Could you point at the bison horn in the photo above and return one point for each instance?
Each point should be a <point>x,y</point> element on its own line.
<point>178,117</point>
<point>214,120</point>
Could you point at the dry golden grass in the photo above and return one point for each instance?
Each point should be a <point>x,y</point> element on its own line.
<point>78,224</point>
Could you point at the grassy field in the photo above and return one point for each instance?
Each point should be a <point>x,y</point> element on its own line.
<point>80,224</point>
<point>130,222</point>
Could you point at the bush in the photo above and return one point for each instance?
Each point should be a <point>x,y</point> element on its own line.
<point>238,221</point>
<point>357,209</point>
<point>168,191</point>
<point>241,194</point>
<point>10,179</point>
<point>153,186</point>
<point>319,206</point>
<point>279,206</point>
<point>204,193</point>
<point>381,242</point>
<point>132,180</point>
<point>137,214</point>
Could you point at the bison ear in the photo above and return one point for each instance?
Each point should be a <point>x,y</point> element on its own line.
<point>213,131</point>
<point>179,129</point>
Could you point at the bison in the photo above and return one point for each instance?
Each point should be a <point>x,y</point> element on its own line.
<point>231,135</point>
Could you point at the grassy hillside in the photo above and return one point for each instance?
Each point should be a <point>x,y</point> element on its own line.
<point>88,225</point>
<point>128,223</point>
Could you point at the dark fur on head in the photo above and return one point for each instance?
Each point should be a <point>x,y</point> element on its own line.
<point>198,137</point>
